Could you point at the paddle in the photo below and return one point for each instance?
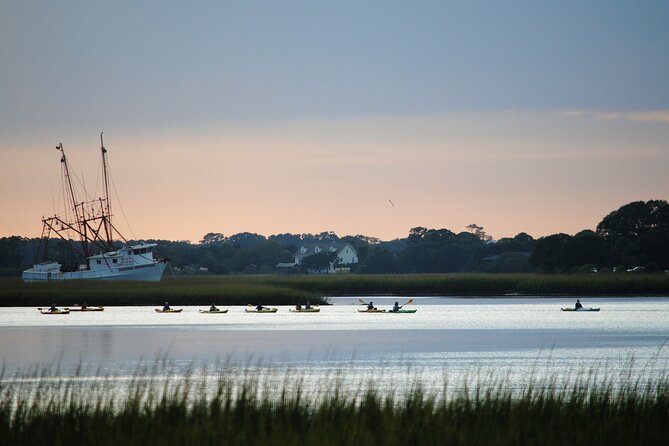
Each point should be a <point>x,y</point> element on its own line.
<point>407,302</point>
<point>362,302</point>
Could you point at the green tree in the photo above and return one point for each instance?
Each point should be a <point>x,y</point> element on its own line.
<point>550,253</point>
<point>319,262</point>
<point>634,219</point>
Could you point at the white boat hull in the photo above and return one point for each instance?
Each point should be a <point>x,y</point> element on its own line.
<point>146,273</point>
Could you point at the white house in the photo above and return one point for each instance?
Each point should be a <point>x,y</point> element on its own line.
<point>346,255</point>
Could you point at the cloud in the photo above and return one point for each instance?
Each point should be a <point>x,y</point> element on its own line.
<point>647,116</point>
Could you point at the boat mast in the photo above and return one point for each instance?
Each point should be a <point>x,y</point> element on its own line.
<point>107,205</point>
<point>66,172</point>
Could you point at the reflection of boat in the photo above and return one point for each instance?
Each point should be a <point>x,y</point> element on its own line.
<point>305,310</point>
<point>171,310</point>
<point>214,312</point>
<point>580,309</point>
<point>86,227</point>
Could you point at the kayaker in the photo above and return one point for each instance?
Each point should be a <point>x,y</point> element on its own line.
<point>370,306</point>
<point>307,305</point>
<point>298,307</point>
<point>396,307</point>
<point>84,306</point>
<point>166,307</point>
<point>259,307</point>
<point>213,308</point>
<point>53,308</point>
<point>578,305</point>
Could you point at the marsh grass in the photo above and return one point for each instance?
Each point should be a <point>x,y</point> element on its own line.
<point>276,290</point>
<point>250,405</point>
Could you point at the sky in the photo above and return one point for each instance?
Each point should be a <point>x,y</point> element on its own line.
<point>310,116</point>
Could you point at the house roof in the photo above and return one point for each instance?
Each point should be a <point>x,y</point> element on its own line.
<point>309,249</point>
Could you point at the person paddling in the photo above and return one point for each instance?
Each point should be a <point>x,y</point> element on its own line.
<point>213,308</point>
<point>307,306</point>
<point>370,306</point>
<point>259,307</point>
<point>53,308</point>
<point>396,307</point>
<point>298,307</point>
<point>578,305</point>
<point>166,307</point>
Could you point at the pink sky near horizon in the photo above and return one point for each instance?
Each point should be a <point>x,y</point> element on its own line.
<point>536,172</point>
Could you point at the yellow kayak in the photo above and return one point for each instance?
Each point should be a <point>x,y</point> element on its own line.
<point>305,310</point>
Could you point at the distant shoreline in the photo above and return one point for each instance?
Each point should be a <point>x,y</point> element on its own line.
<point>289,290</point>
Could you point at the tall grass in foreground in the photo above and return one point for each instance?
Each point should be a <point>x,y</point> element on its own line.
<point>249,409</point>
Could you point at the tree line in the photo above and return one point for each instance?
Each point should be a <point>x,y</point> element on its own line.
<point>633,237</point>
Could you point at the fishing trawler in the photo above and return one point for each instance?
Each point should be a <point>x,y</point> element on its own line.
<point>86,227</point>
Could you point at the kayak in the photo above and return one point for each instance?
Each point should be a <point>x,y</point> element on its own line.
<point>87,309</point>
<point>372,311</point>
<point>402,311</point>
<point>214,312</point>
<point>305,310</point>
<point>580,309</point>
<point>169,311</point>
<point>264,310</point>
<point>65,311</point>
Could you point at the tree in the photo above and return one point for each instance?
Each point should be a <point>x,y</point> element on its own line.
<point>634,219</point>
<point>479,232</point>
<point>550,253</point>
<point>586,248</point>
<point>212,238</point>
<point>319,262</point>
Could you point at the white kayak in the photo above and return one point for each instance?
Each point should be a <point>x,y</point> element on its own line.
<point>580,309</point>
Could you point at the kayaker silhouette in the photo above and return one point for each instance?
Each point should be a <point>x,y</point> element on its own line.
<point>371,306</point>
<point>53,308</point>
<point>578,304</point>
<point>396,307</point>
<point>213,308</point>
<point>166,307</point>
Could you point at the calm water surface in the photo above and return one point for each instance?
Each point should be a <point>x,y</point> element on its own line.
<point>458,337</point>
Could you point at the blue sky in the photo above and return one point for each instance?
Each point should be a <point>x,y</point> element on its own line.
<point>320,78</point>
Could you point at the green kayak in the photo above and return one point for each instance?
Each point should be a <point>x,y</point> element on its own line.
<point>402,311</point>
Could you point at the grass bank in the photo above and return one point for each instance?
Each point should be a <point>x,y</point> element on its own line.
<point>196,290</point>
<point>276,290</point>
<point>580,411</point>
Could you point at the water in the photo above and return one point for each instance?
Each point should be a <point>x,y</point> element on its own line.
<point>457,337</point>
